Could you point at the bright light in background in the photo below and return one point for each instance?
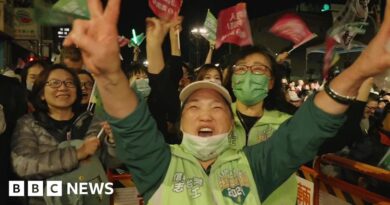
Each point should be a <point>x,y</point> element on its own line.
<point>146,63</point>
<point>202,30</point>
<point>217,64</point>
<point>199,30</point>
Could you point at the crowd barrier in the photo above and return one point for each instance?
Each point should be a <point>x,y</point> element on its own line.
<point>342,190</point>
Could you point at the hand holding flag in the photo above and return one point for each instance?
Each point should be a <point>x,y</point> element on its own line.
<point>291,27</point>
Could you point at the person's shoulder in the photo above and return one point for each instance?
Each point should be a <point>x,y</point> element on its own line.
<point>27,118</point>
<point>8,80</point>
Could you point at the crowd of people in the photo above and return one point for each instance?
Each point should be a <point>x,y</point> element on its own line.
<point>209,135</point>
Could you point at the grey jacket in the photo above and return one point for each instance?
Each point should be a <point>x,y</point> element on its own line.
<point>37,154</point>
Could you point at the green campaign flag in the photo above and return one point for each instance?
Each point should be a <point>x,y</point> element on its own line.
<point>210,24</point>
<point>48,14</point>
<point>74,7</point>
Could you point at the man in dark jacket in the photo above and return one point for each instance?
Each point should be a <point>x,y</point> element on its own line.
<point>14,104</point>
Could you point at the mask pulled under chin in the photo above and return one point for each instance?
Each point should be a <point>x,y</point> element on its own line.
<point>205,148</point>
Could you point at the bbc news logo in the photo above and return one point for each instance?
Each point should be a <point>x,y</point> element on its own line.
<point>55,188</point>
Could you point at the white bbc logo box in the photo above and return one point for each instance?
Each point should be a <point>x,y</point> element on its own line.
<point>35,188</point>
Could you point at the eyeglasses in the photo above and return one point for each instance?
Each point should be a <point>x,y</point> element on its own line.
<point>87,84</point>
<point>255,69</point>
<point>371,108</point>
<point>54,83</point>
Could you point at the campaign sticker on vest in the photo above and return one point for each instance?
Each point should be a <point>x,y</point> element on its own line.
<point>193,184</point>
<point>264,134</point>
<point>234,185</point>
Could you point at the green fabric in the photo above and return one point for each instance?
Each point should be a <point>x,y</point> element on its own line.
<point>250,88</point>
<point>293,144</point>
<point>286,193</point>
<point>230,180</point>
<point>261,130</point>
<point>141,147</point>
<point>210,24</point>
<point>46,14</point>
<point>73,7</point>
<point>89,170</point>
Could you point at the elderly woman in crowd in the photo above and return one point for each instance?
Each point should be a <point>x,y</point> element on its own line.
<point>205,169</point>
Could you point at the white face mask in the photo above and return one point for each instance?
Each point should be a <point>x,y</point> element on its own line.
<point>205,148</point>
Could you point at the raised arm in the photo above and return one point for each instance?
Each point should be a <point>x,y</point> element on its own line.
<point>97,40</point>
<point>209,56</point>
<point>156,30</point>
<point>373,60</point>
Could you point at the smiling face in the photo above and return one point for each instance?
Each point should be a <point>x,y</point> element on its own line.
<point>62,97</point>
<point>86,83</point>
<point>205,114</point>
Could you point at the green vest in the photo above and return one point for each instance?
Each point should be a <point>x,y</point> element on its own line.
<point>286,193</point>
<point>261,130</point>
<point>230,180</point>
<point>89,170</point>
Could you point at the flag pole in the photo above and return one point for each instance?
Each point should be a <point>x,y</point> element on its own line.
<point>301,43</point>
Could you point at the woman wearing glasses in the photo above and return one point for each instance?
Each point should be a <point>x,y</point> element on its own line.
<point>53,142</point>
<point>260,107</point>
<point>86,83</point>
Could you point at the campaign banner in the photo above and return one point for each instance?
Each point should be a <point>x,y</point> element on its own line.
<point>166,9</point>
<point>233,26</point>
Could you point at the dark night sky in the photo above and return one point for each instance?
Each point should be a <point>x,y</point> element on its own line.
<point>133,14</point>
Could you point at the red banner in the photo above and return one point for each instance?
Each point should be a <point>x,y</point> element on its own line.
<point>291,27</point>
<point>233,26</point>
<point>165,9</point>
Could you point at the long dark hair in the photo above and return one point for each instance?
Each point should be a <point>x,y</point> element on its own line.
<point>276,98</point>
<point>39,85</point>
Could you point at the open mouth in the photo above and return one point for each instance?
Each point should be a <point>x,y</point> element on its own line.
<point>63,96</point>
<point>85,94</point>
<point>205,132</point>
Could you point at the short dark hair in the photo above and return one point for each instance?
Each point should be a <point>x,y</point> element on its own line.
<point>29,65</point>
<point>206,68</point>
<point>81,72</point>
<point>136,68</point>
<point>276,97</point>
<point>40,83</point>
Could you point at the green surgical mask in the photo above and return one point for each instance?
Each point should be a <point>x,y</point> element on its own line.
<point>250,88</point>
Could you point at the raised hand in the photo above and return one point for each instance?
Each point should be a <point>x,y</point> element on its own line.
<point>175,26</point>
<point>89,148</point>
<point>156,30</point>
<point>97,38</point>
